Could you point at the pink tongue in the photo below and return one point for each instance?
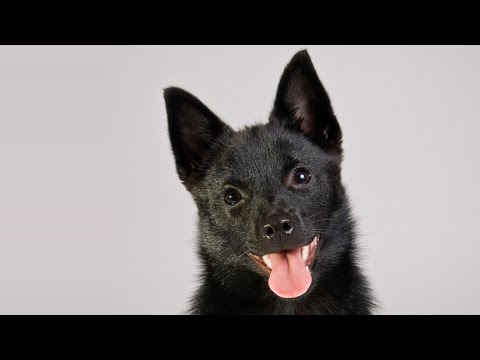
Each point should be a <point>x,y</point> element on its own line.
<point>289,277</point>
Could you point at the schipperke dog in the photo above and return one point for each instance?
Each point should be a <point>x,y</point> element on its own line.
<point>275,233</point>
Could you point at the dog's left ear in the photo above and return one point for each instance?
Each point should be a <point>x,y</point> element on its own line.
<point>194,132</point>
<point>303,104</point>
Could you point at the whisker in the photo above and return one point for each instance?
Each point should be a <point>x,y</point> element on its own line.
<point>321,220</point>
<point>317,213</point>
<point>324,231</point>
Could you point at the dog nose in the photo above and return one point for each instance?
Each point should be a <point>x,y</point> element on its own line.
<point>279,225</point>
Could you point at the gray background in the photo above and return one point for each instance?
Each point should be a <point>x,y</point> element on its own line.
<point>94,220</point>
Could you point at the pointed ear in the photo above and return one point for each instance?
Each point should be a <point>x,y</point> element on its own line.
<point>194,131</point>
<point>303,104</point>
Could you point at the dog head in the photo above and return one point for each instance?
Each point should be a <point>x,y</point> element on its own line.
<point>267,195</point>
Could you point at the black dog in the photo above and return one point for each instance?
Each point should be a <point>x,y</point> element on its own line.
<point>275,231</point>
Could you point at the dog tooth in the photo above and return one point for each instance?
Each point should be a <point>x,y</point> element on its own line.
<point>308,269</point>
<point>305,251</point>
<point>267,261</point>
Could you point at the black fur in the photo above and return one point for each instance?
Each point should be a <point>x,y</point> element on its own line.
<point>210,157</point>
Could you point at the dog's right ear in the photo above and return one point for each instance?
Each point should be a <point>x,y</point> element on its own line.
<point>302,104</point>
<point>194,131</point>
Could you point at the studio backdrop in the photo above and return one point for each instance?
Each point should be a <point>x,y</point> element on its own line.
<point>93,218</point>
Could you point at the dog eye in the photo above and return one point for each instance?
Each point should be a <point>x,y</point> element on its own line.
<point>232,197</point>
<point>301,177</point>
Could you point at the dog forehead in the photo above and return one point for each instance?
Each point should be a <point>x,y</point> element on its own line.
<point>257,150</point>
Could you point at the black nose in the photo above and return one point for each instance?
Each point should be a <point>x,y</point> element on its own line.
<point>279,225</point>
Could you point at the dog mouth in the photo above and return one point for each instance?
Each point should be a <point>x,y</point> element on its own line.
<point>289,271</point>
